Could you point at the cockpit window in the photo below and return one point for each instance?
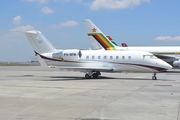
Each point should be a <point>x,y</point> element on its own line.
<point>149,57</point>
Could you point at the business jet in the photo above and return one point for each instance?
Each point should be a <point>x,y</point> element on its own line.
<point>93,62</point>
<point>170,54</point>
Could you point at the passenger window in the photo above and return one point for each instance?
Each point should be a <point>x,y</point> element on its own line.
<point>87,57</point>
<point>92,57</point>
<point>105,57</point>
<point>129,57</point>
<point>99,57</point>
<point>65,54</point>
<point>117,57</point>
<point>111,57</point>
<point>123,57</point>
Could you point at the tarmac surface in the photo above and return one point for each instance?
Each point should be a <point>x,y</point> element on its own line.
<point>37,93</point>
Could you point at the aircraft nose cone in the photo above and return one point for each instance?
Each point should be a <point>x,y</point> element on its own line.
<point>167,66</point>
<point>164,66</point>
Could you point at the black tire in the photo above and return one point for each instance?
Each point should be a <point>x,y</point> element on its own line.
<point>87,76</point>
<point>154,78</point>
<point>95,75</point>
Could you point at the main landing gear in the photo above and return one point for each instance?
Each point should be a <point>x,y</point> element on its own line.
<point>154,76</point>
<point>93,74</point>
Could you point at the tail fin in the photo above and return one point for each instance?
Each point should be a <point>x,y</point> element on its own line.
<point>39,42</point>
<point>95,34</point>
<point>109,37</point>
<point>124,45</point>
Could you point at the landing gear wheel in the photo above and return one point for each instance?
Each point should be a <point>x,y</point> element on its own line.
<point>92,74</point>
<point>87,76</point>
<point>95,75</point>
<point>154,78</point>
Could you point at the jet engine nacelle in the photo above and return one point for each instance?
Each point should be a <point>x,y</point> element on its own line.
<point>68,55</point>
<point>176,63</point>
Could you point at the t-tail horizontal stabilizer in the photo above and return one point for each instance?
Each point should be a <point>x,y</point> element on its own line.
<point>39,42</point>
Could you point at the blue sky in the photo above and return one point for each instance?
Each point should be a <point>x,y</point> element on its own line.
<point>136,22</point>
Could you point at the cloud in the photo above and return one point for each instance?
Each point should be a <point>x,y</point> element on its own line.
<point>14,33</point>
<point>23,28</point>
<point>40,1</point>
<point>46,10</point>
<point>69,23</point>
<point>115,4</point>
<point>17,20</point>
<point>77,1</point>
<point>168,38</point>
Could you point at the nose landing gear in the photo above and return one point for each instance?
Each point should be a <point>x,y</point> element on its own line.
<point>154,76</point>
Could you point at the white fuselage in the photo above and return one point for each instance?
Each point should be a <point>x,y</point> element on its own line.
<point>170,54</point>
<point>118,61</point>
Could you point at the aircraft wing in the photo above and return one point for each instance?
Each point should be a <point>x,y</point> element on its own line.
<point>87,69</point>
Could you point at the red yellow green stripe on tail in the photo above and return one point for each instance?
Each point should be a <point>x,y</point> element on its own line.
<point>103,41</point>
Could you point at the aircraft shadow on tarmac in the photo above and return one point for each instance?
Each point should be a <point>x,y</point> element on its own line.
<point>64,78</point>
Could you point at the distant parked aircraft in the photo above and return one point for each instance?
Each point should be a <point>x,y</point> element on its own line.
<point>170,54</point>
